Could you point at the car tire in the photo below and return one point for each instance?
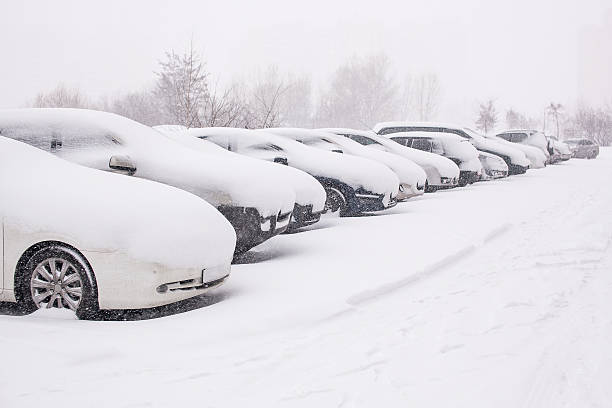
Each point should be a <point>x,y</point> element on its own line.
<point>57,276</point>
<point>335,201</point>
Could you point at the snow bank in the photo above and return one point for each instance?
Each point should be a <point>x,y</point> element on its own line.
<point>90,138</point>
<point>108,212</point>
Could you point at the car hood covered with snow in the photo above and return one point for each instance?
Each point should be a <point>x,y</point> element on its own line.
<point>445,167</point>
<point>408,171</point>
<point>308,191</point>
<point>453,147</point>
<point>537,158</point>
<point>91,138</point>
<point>97,211</point>
<point>480,142</point>
<point>354,171</point>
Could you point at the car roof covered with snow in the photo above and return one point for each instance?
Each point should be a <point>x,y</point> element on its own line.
<point>91,137</point>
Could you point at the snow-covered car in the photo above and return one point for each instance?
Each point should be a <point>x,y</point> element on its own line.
<point>309,194</point>
<point>442,173</point>
<point>537,158</point>
<point>583,148</point>
<point>493,167</point>
<point>412,177</point>
<point>514,158</point>
<point>82,239</point>
<point>258,207</point>
<point>527,137</point>
<point>451,146</point>
<point>353,185</point>
<point>559,151</point>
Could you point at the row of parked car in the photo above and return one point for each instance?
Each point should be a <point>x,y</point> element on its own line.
<point>79,238</point>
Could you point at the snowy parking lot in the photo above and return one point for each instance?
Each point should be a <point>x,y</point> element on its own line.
<point>496,294</point>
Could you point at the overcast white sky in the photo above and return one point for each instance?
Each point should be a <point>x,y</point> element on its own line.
<point>523,53</point>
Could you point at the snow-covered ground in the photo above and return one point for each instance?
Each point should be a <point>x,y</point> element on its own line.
<point>497,294</point>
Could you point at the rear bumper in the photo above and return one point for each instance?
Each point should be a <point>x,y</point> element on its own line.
<point>251,228</point>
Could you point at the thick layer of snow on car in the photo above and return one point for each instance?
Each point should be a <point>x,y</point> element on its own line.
<point>480,142</point>
<point>515,156</point>
<point>496,295</point>
<point>537,158</point>
<point>450,146</point>
<point>308,191</point>
<point>91,138</point>
<point>355,171</point>
<point>98,211</point>
<point>409,173</point>
<point>434,165</point>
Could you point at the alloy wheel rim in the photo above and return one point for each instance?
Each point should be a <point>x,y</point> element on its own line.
<point>56,283</point>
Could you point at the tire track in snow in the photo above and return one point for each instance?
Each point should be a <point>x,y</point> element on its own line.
<point>444,263</point>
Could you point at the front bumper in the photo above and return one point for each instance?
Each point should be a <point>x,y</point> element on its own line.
<point>251,228</point>
<point>125,283</point>
<point>370,202</point>
<point>303,216</point>
<point>407,191</point>
<point>468,177</point>
<point>493,174</point>
<point>516,169</point>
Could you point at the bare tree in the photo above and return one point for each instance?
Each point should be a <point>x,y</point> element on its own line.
<point>296,104</point>
<point>487,117</point>
<point>555,110</point>
<point>61,97</point>
<point>182,87</point>
<point>516,120</point>
<point>141,106</point>
<point>594,124</point>
<point>225,107</point>
<point>426,96</point>
<point>265,99</point>
<point>362,92</point>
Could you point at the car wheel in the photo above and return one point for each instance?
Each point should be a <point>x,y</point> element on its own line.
<point>335,202</point>
<point>57,277</point>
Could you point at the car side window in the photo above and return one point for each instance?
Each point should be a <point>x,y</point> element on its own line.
<point>32,135</point>
<point>362,139</point>
<point>220,141</point>
<point>404,141</point>
<point>436,147</point>
<point>518,137</point>
<point>422,144</point>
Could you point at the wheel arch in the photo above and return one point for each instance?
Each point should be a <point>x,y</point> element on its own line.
<point>33,249</point>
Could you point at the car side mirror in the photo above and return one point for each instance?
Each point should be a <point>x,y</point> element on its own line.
<point>122,164</point>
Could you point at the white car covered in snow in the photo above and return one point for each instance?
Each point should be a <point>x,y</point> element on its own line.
<point>353,185</point>
<point>537,158</point>
<point>453,147</point>
<point>493,166</point>
<point>527,137</point>
<point>441,172</point>
<point>309,194</point>
<point>412,177</point>
<point>258,205</point>
<point>85,240</point>
<point>514,158</point>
